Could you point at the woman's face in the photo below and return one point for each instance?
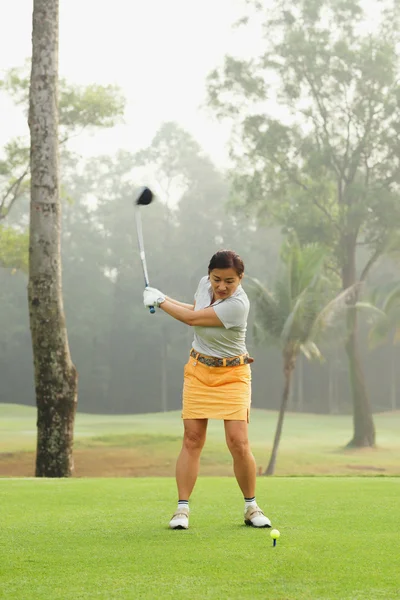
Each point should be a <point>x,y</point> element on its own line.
<point>224,282</point>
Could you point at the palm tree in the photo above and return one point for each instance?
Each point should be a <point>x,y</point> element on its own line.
<point>296,314</point>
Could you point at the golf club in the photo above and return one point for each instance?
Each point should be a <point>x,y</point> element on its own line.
<point>144,198</point>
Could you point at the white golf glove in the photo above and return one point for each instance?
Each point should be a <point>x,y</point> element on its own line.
<point>153,297</point>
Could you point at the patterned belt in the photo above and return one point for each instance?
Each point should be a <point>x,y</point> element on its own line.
<point>212,361</point>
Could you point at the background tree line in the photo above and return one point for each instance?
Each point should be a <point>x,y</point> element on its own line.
<point>128,361</point>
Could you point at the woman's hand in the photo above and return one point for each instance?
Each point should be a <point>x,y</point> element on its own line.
<point>153,297</point>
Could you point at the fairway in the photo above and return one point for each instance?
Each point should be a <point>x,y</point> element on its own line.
<point>147,445</point>
<point>108,539</point>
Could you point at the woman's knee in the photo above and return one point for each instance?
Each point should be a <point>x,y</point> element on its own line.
<point>239,446</point>
<point>193,440</point>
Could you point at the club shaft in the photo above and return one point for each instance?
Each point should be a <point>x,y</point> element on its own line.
<point>139,230</point>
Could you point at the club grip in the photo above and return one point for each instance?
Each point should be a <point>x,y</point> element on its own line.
<point>152,310</point>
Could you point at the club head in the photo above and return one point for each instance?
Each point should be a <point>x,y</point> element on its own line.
<point>145,196</point>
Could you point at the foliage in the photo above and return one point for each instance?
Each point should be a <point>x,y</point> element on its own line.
<point>92,106</point>
<point>329,167</point>
<point>13,249</point>
<point>300,311</point>
<point>79,106</point>
<point>115,344</point>
<point>318,147</point>
<point>174,158</point>
<point>387,325</point>
<point>296,314</point>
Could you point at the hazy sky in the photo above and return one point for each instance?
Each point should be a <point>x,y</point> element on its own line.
<point>159,52</point>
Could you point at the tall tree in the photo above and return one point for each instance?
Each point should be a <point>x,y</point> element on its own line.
<point>55,375</point>
<point>329,168</point>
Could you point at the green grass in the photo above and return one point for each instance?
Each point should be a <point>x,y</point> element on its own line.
<point>311,444</point>
<point>108,539</point>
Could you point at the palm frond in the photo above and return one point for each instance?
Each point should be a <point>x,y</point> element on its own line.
<point>299,324</point>
<point>313,258</point>
<point>333,312</point>
<point>283,296</point>
<point>298,312</point>
<point>268,312</point>
<point>373,312</point>
<point>303,263</point>
<point>288,326</point>
<point>379,333</point>
<point>392,301</point>
<point>294,324</point>
<point>311,351</point>
<point>385,320</point>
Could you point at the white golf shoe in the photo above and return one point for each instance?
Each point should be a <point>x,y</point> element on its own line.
<point>180,519</point>
<point>255,517</point>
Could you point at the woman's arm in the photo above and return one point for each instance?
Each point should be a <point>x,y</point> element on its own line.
<point>180,311</point>
<point>183,304</point>
<point>205,317</point>
<point>172,300</point>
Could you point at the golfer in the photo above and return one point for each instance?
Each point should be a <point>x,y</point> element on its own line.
<point>217,379</point>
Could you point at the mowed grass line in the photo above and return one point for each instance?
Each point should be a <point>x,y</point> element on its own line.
<point>108,539</point>
<point>147,445</point>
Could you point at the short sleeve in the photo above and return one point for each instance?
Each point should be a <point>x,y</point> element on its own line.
<point>233,312</point>
<point>200,287</point>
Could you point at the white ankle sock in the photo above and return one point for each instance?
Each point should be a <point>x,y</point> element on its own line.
<point>249,502</point>
<point>183,504</point>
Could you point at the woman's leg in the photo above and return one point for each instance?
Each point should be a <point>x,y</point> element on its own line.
<point>187,465</point>
<point>244,464</point>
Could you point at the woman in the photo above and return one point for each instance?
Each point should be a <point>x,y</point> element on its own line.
<point>217,379</point>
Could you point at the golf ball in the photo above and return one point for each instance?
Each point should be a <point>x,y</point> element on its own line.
<point>275,534</point>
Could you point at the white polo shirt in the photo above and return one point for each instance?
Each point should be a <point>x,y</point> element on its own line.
<point>229,340</point>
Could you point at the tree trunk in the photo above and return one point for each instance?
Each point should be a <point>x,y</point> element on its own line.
<point>289,365</point>
<point>55,375</point>
<point>364,430</point>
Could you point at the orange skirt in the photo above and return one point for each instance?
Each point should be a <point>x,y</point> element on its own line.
<point>216,392</point>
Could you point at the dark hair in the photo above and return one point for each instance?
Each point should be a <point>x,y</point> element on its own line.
<point>226,259</point>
